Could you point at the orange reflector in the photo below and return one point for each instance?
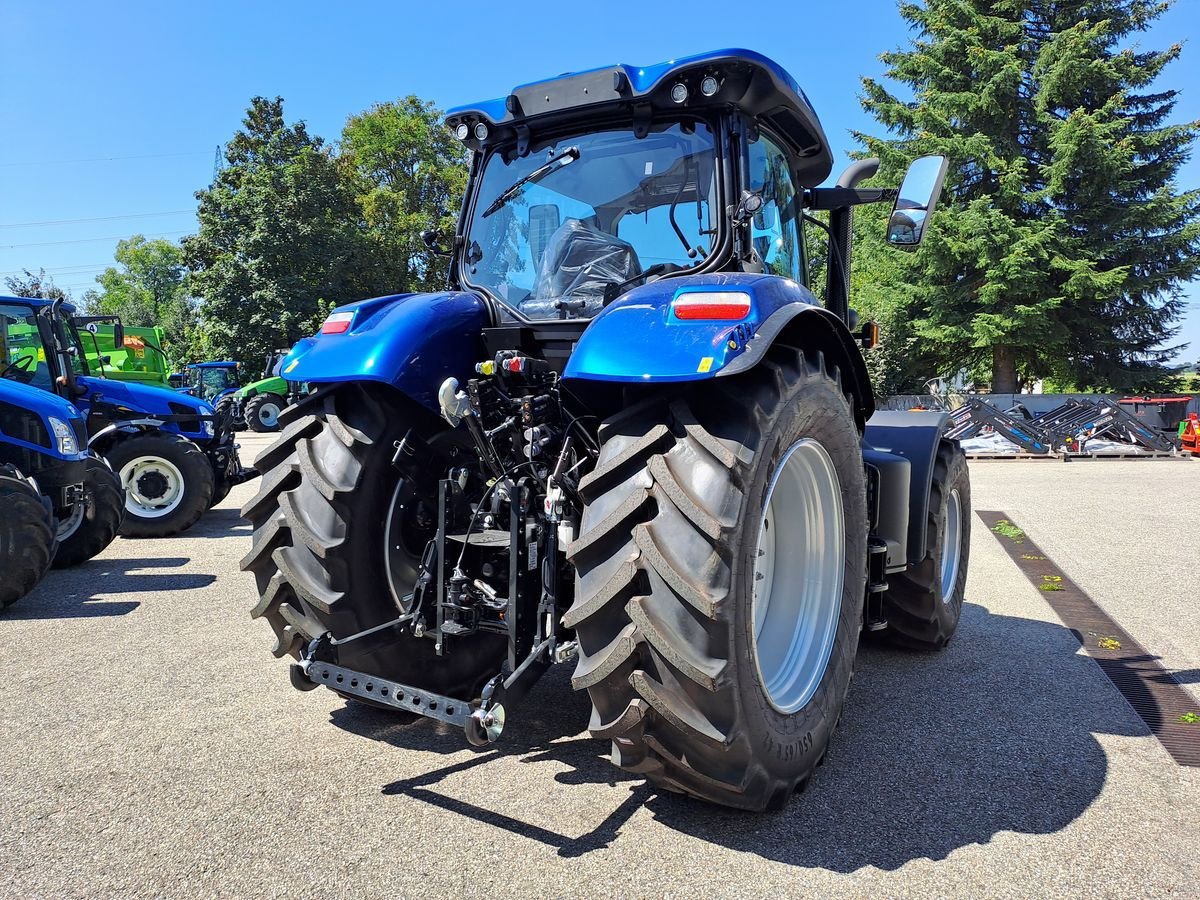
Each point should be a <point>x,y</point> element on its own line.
<point>722,305</point>
<point>337,323</point>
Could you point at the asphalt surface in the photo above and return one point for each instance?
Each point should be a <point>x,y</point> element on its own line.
<point>153,747</point>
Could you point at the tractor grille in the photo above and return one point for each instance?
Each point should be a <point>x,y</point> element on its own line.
<point>1170,712</point>
<point>21,423</point>
<point>81,436</point>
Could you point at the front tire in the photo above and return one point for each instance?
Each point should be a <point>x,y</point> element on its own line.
<point>262,412</point>
<point>321,558</point>
<point>924,603</point>
<point>26,536</point>
<point>100,521</point>
<point>168,483</point>
<point>675,648</point>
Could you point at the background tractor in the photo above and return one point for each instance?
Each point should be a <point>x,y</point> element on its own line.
<point>173,460</point>
<point>59,504</point>
<point>257,405</point>
<point>626,433</point>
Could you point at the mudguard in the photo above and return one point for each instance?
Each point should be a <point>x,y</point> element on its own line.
<point>410,341</point>
<point>913,436</point>
<point>639,339</point>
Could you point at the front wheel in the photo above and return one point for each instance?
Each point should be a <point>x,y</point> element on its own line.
<point>94,522</point>
<point>721,571</point>
<point>26,536</point>
<point>262,412</point>
<point>168,483</point>
<point>924,603</point>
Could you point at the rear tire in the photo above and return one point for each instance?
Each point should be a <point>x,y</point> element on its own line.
<point>319,556</point>
<point>104,510</point>
<point>668,558</point>
<point>26,536</point>
<point>224,410</point>
<point>168,483</point>
<point>923,604</point>
<point>262,412</point>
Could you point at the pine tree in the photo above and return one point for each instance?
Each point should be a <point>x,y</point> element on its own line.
<point>1062,240</point>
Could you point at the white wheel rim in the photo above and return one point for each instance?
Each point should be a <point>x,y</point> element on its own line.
<point>139,476</point>
<point>798,576</point>
<point>70,525</point>
<point>951,544</point>
<point>268,414</point>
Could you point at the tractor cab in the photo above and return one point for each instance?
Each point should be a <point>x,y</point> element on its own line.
<point>210,380</point>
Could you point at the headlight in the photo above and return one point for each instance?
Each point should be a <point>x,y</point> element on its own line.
<point>67,445</point>
<point>206,428</point>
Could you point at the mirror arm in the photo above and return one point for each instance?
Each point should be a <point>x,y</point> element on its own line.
<point>837,197</point>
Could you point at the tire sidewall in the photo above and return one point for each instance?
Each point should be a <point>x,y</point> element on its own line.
<point>957,478</point>
<point>791,744</point>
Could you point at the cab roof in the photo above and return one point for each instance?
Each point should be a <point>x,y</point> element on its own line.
<point>748,82</point>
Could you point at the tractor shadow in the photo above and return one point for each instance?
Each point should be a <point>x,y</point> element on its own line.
<point>86,591</point>
<point>935,752</point>
<point>219,522</point>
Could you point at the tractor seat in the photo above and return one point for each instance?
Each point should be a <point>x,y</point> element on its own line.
<point>578,263</point>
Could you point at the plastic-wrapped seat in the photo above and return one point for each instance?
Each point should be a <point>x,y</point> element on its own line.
<point>578,264</point>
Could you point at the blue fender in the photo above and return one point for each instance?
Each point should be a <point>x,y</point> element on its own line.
<point>410,341</point>
<point>638,339</point>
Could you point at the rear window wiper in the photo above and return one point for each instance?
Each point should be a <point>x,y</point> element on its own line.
<point>555,163</point>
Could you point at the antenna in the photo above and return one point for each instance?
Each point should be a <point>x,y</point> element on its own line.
<point>218,162</point>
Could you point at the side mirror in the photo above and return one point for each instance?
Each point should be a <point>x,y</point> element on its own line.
<point>916,201</point>
<point>432,238</point>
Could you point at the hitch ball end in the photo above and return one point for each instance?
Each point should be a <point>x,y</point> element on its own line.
<point>485,725</point>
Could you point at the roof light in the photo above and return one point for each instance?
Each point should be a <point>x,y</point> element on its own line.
<point>679,92</point>
<point>337,323</point>
<point>481,131</point>
<point>712,305</point>
<point>709,85</point>
<point>463,131</point>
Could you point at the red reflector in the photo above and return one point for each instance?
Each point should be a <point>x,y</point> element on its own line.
<point>725,305</point>
<point>337,323</point>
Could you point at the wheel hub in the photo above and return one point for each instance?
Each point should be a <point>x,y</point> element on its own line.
<point>799,567</point>
<point>951,544</point>
<point>152,485</point>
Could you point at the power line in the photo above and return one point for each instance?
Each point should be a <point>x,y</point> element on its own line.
<point>66,162</point>
<point>173,212</point>
<point>64,270</point>
<point>118,237</point>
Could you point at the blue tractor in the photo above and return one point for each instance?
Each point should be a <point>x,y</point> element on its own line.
<point>627,432</point>
<point>173,459</point>
<point>59,504</point>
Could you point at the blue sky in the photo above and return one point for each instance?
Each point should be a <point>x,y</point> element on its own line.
<point>112,112</point>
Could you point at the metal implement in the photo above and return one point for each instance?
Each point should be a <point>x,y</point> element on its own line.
<point>389,693</point>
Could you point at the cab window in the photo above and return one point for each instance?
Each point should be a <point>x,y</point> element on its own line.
<point>775,230</point>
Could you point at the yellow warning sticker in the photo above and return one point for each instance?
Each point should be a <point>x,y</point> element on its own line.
<point>292,365</point>
<point>705,364</point>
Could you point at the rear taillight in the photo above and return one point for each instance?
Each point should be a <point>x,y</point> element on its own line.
<point>729,306</point>
<point>337,323</point>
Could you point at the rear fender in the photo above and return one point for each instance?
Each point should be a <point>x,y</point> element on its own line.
<point>913,436</point>
<point>412,342</point>
<point>639,340</point>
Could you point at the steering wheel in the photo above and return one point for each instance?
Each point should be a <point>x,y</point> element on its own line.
<point>24,366</point>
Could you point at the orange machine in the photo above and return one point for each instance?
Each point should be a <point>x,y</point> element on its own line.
<point>1190,434</point>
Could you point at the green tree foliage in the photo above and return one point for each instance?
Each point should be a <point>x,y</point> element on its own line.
<point>280,233</point>
<point>1062,240</point>
<point>32,284</point>
<point>408,174</point>
<point>150,286</point>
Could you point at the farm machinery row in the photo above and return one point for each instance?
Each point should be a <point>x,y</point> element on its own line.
<point>1069,427</point>
<point>173,459</point>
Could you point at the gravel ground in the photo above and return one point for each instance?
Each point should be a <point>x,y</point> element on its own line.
<point>152,746</point>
